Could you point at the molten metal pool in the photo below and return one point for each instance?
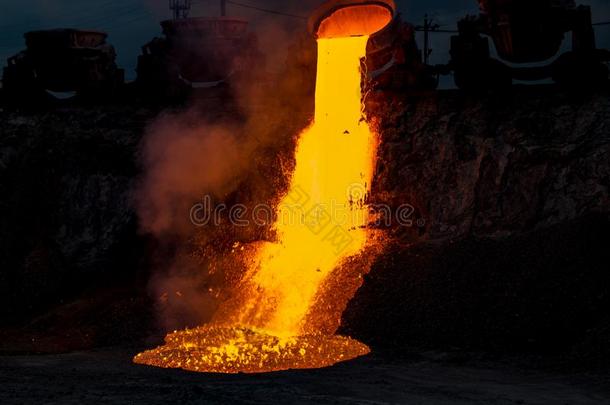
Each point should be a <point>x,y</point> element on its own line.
<point>222,350</point>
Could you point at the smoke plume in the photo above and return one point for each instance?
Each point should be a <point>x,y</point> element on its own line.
<point>238,148</point>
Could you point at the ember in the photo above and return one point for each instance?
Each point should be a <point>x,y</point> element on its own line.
<point>322,222</point>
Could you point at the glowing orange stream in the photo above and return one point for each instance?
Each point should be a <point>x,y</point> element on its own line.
<point>322,217</point>
<point>321,222</point>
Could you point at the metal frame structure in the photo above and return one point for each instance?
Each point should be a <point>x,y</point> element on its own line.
<point>180,8</point>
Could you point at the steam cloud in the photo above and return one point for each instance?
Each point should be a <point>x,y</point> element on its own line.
<point>183,159</point>
<point>227,149</point>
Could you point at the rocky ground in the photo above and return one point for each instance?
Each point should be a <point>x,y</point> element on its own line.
<point>507,248</point>
<point>71,254</point>
<point>492,167</point>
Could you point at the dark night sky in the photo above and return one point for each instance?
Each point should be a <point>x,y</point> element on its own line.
<point>131,23</point>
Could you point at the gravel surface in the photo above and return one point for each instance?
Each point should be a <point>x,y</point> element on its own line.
<point>108,376</point>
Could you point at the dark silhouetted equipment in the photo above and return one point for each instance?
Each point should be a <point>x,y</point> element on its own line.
<point>196,53</point>
<point>180,8</point>
<point>62,60</point>
<point>528,37</point>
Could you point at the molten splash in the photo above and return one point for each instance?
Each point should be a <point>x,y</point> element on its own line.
<point>321,223</point>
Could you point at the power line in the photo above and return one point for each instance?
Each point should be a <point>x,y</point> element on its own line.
<point>437,31</point>
<point>265,10</point>
<point>602,23</point>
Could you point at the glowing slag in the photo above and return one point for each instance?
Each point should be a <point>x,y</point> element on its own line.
<point>223,350</point>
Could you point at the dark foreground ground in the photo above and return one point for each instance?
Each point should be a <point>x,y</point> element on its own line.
<point>107,376</point>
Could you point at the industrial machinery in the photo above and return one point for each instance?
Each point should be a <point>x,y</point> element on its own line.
<point>196,53</point>
<point>528,36</point>
<point>393,59</point>
<point>62,61</point>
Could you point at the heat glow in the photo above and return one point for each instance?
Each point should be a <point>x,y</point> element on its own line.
<point>321,222</point>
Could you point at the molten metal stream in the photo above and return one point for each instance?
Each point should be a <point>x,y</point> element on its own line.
<point>322,217</point>
<point>321,222</point>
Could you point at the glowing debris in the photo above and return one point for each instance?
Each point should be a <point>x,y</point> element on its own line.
<point>218,349</point>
